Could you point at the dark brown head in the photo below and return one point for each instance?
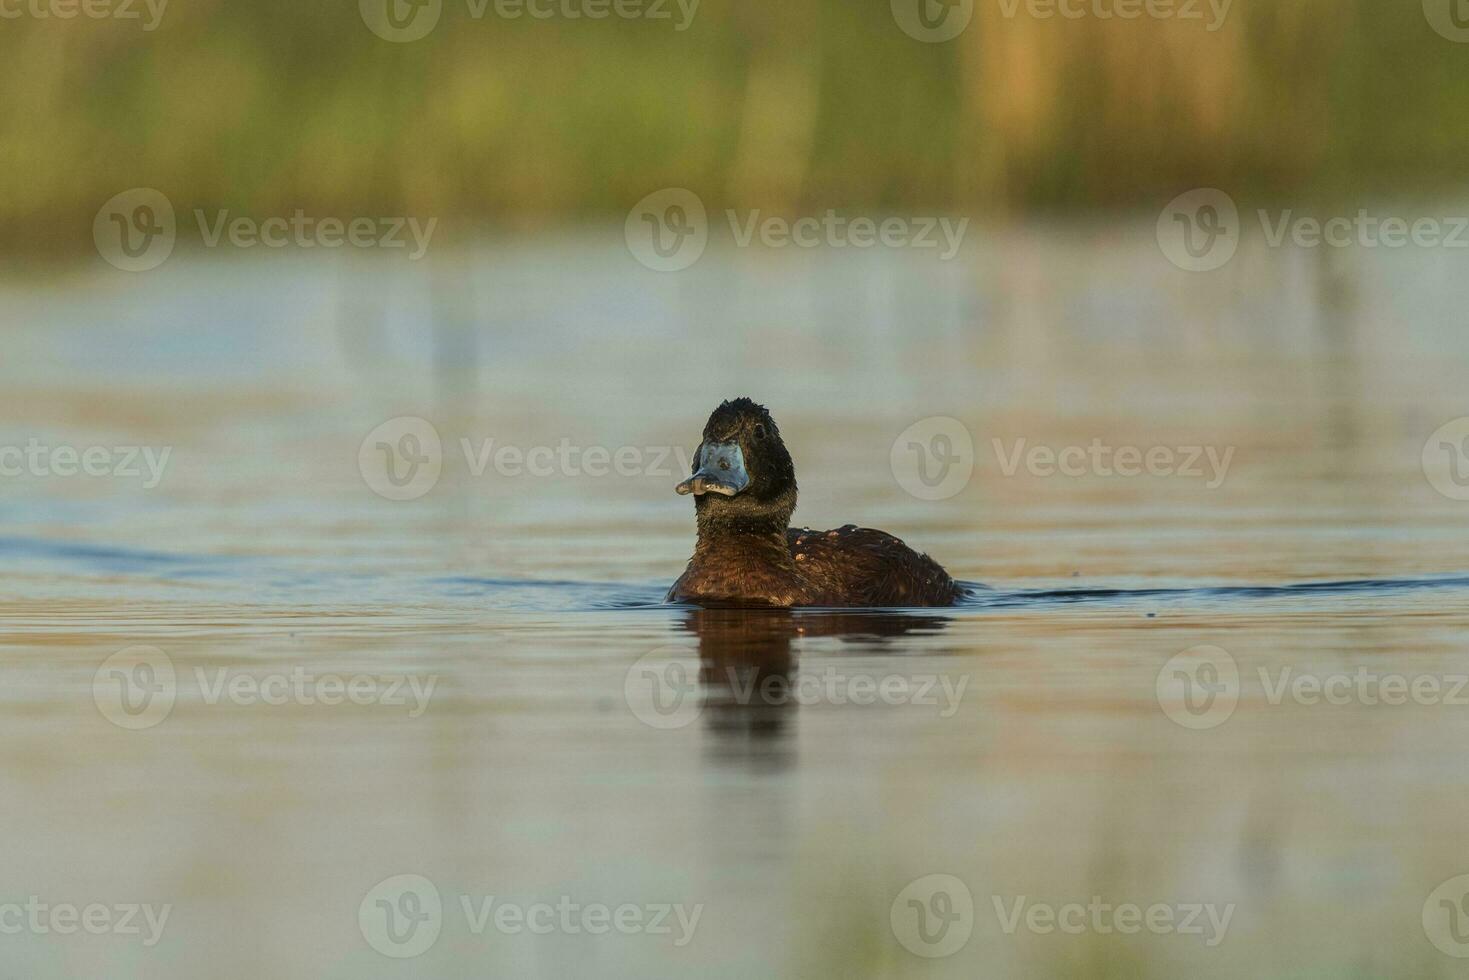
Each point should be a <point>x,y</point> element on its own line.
<point>743,478</point>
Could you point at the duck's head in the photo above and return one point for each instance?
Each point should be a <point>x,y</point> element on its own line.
<point>743,476</point>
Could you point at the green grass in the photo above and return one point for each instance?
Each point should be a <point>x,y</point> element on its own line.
<point>276,104</point>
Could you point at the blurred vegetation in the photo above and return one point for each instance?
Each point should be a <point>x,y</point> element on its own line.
<point>272,105</point>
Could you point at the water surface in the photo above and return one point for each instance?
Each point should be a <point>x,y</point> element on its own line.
<point>552,760</point>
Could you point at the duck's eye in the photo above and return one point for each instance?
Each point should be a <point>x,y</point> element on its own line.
<point>759,430</point>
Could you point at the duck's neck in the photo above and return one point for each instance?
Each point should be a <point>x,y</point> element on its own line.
<point>763,536</point>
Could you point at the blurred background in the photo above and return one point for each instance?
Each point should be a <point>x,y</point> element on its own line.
<point>1120,259</point>
<point>520,123</point>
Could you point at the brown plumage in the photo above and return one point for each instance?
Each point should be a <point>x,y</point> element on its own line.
<point>745,492</point>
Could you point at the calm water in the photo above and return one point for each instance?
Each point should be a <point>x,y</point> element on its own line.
<point>531,723</point>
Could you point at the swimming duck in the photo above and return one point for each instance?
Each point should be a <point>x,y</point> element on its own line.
<point>744,488</point>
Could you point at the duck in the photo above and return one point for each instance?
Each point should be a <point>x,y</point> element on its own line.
<point>747,554</point>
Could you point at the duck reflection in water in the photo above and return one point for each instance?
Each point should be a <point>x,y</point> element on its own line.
<point>748,662</point>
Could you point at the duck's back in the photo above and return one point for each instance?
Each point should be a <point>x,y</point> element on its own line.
<point>860,566</point>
